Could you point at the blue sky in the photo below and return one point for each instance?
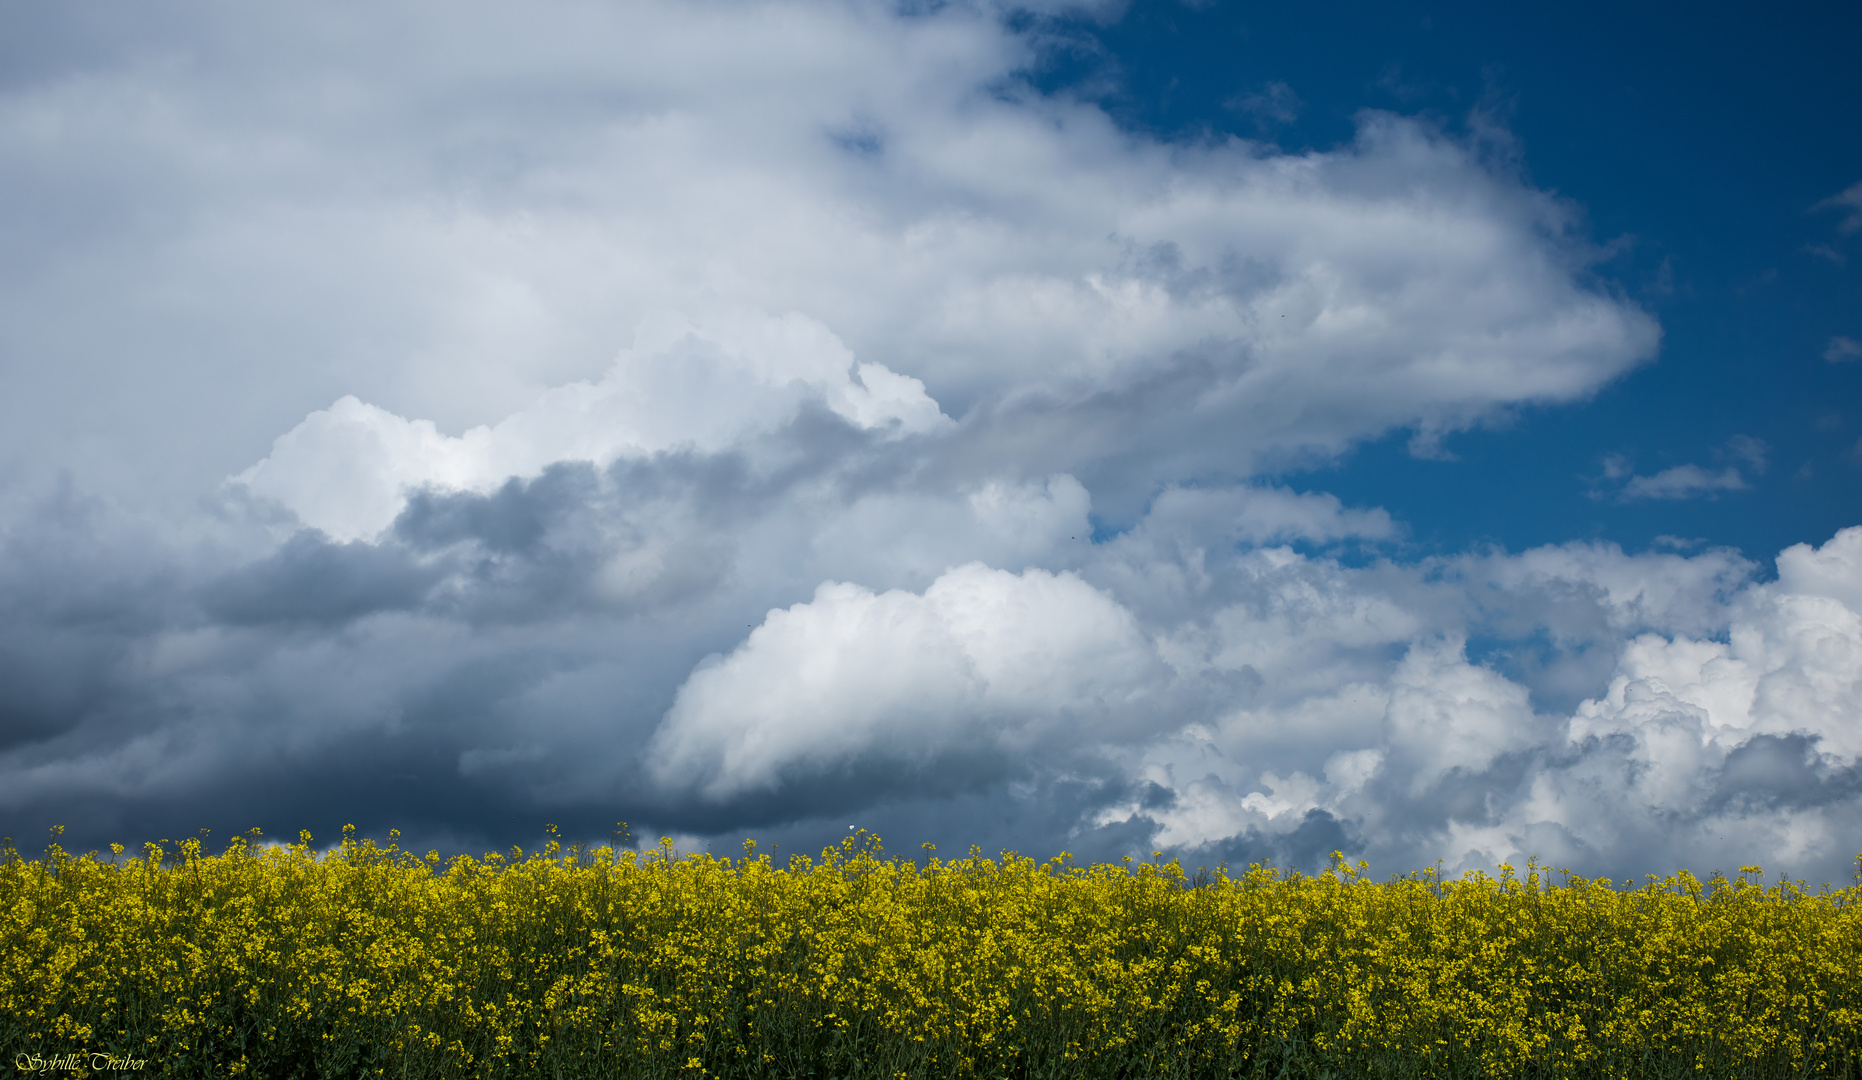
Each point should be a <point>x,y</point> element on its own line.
<point>1239,433</point>
<point>1699,148</point>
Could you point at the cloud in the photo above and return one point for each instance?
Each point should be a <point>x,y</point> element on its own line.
<point>1746,743</point>
<point>565,646</point>
<point>347,470</point>
<point>1841,349</point>
<point>1754,452</point>
<point>719,417</point>
<point>1579,592</point>
<point>982,661</point>
<point>1273,105</point>
<point>1698,748</point>
<point>1292,304</point>
<point>1682,482</point>
<point>1690,481</point>
<point>1447,714</point>
<point>525,198</point>
<point>312,580</point>
<point>1833,571</point>
<point>1848,200</point>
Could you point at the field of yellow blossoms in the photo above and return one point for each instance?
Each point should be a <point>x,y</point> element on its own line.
<point>368,960</point>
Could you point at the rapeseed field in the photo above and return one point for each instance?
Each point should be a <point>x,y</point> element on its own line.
<point>368,960</point>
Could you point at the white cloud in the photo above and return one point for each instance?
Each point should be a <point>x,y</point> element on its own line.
<point>982,660</point>
<point>1294,303</point>
<point>1698,749</point>
<point>1682,482</point>
<point>1833,570</point>
<point>1793,666</point>
<point>1689,481</point>
<point>1448,714</point>
<point>1302,624</point>
<point>1264,515</point>
<point>1706,749</point>
<point>1664,592</point>
<point>892,538</point>
<point>1084,300</point>
<point>683,386</point>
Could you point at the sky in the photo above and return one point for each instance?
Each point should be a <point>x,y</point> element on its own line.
<point>1233,432</point>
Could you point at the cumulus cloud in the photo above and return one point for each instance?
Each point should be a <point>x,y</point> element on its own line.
<point>1697,749</point>
<point>1716,746</point>
<point>347,470</point>
<point>982,659</point>
<point>1833,571</point>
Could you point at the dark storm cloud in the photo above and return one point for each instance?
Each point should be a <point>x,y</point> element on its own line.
<point>50,677</point>
<point>77,591</point>
<point>311,580</point>
<point>479,668</point>
<point>466,678</point>
<point>1771,772</point>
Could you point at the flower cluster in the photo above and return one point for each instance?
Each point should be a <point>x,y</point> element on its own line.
<point>371,960</point>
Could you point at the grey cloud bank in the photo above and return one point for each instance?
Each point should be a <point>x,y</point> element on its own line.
<point>737,418</point>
